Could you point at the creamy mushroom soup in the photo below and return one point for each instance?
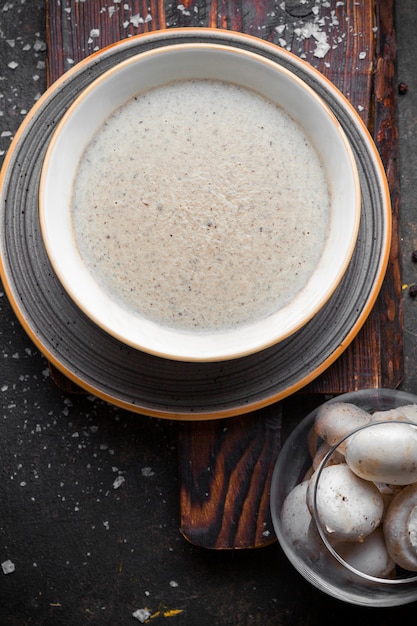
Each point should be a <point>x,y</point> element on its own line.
<point>201,205</point>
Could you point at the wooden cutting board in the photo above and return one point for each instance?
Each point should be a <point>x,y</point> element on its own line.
<point>226,465</point>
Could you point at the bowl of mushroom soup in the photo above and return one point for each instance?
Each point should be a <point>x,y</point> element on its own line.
<point>199,202</point>
<point>344,497</point>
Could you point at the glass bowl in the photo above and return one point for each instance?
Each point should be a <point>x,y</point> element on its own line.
<point>310,542</point>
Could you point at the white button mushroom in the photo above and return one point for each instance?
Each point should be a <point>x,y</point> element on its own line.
<point>400,528</point>
<point>335,458</point>
<point>388,493</point>
<point>297,523</point>
<point>369,557</point>
<point>406,413</point>
<point>348,507</point>
<point>334,420</point>
<point>384,453</point>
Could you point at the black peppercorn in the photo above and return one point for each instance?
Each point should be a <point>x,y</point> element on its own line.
<point>412,290</point>
<point>402,88</point>
<point>414,256</point>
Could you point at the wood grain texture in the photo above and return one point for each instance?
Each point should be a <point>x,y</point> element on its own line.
<point>225,467</point>
<point>375,358</point>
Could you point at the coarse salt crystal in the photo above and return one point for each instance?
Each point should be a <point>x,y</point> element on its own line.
<point>8,567</point>
<point>118,482</point>
<point>321,50</point>
<point>142,615</point>
<point>39,46</point>
<point>136,20</point>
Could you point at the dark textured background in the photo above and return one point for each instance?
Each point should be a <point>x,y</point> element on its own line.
<point>84,551</point>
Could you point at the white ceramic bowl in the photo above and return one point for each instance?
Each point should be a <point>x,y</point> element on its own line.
<point>155,68</point>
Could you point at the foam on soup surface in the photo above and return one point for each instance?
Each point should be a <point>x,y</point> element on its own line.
<point>201,205</point>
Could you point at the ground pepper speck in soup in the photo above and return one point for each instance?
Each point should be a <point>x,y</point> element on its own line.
<point>200,204</point>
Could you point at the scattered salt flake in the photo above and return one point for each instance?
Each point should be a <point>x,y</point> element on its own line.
<point>308,30</point>
<point>142,615</point>
<point>39,46</point>
<point>362,55</point>
<point>173,583</point>
<point>13,65</point>
<point>11,42</point>
<point>95,32</point>
<point>8,567</point>
<point>360,107</point>
<point>147,471</point>
<point>118,482</point>
<point>136,20</point>
<point>106,525</point>
<point>321,50</point>
<point>183,10</point>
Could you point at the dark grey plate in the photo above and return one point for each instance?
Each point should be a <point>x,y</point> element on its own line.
<point>142,382</point>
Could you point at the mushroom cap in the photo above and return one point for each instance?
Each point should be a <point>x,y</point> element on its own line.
<point>369,557</point>
<point>348,507</point>
<point>400,528</point>
<point>335,420</point>
<point>384,453</point>
<point>297,523</point>
<point>324,448</point>
<point>407,413</point>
